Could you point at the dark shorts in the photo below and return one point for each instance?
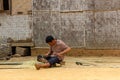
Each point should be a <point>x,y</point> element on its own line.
<point>52,60</point>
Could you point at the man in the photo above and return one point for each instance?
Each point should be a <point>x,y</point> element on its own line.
<point>56,52</point>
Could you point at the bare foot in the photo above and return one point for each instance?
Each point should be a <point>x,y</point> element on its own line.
<point>37,66</point>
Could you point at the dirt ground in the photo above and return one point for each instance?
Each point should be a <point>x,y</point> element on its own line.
<point>92,68</point>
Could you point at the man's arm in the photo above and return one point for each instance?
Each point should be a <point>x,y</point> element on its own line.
<point>49,52</point>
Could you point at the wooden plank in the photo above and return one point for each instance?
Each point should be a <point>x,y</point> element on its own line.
<point>12,68</point>
<point>1,4</point>
<point>11,63</point>
<point>22,44</point>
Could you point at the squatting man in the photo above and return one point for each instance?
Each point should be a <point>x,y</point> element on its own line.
<point>56,53</point>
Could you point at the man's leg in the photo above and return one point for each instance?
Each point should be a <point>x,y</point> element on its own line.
<point>38,66</point>
<point>41,58</point>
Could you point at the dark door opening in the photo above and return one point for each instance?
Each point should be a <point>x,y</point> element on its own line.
<point>27,51</point>
<point>6,4</point>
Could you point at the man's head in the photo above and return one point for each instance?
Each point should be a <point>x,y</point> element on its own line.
<point>50,40</point>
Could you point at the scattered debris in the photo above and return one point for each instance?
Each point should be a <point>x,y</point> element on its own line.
<point>78,63</point>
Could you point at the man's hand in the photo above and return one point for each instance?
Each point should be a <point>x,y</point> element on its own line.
<point>46,55</point>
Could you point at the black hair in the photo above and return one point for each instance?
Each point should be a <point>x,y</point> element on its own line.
<point>49,39</point>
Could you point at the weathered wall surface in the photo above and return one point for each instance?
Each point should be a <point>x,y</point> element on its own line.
<point>91,24</point>
<point>107,29</point>
<point>5,48</point>
<point>51,19</point>
<point>15,27</point>
<point>107,4</point>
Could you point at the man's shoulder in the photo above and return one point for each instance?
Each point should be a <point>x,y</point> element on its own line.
<point>60,42</point>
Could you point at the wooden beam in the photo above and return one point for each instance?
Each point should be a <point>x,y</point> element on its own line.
<point>22,44</point>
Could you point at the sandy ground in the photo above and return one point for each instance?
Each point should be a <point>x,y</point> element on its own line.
<point>93,68</point>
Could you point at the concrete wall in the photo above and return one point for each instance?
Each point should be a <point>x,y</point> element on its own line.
<point>91,24</point>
